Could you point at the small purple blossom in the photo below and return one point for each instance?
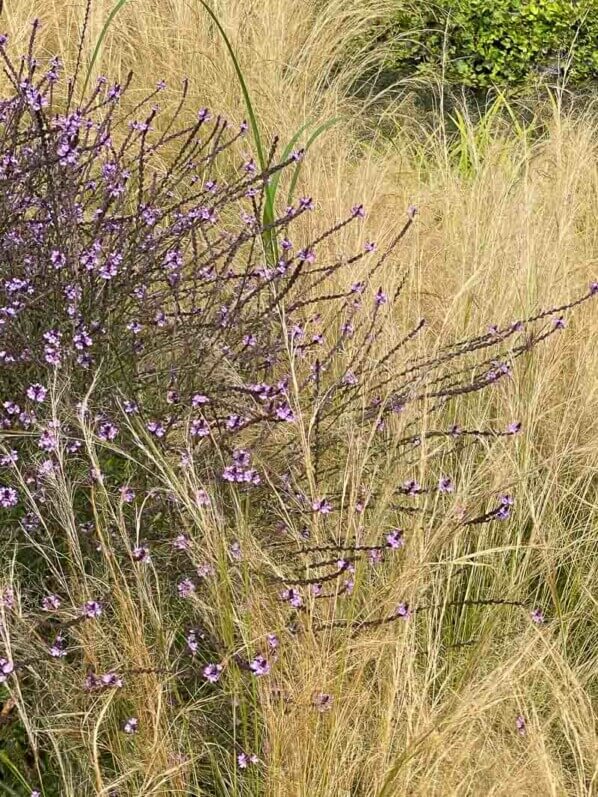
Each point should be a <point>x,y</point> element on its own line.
<point>131,725</point>
<point>521,725</point>
<point>323,701</point>
<point>403,611</point>
<point>245,759</point>
<point>260,666</point>
<point>181,543</point>
<point>8,497</point>
<point>141,553</point>
<point>212,672</point>
<point>446,485</point>
<point>293,597</point>
<point>37,392</point>
<point>91,609</point>
<point>395,539</point>
<point>322,506</point>
<point>51,603</point>
<point>537,616</point>
<point>57,649</point>
<point>186,588</point>
<point>6,668</point>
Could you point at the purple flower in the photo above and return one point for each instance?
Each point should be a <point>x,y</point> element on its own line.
<point>446,485</point>
<point>380,298</point>
<point>48,440</point>
<point>259,666</point>
<point>181,543</point>
<point>127,494</point>
<point>205,570</point>
<point>559,323</point>
<point>199,428</point>
<point>186,588</point>
<point>403,611</point>
<point>245,759</point>
<point>92,609</point>
<point>537,616</point>
<point>192,640</point>
<point>6,667</point>
<point>514,428</point>
<point>323,701</point>
<point>107,431</point>
<point>202,498</point>
<point>57,650</point>
<point>141,553</point>
<point>37,392</point>
<point>520,725</point>
<point>322,505</point>
<point>198,399</point>
<point>395,539</point>
<point>273,641</point>
<point>411,487</point>
<point>285,413</point>
<point>111,680</point>
<point>212,672</point>
<point>156,428</point>
<point>306,256</point>
<point>131,725</point>
<point>8,497</point>
<point>293,597</point>
<point>50,603</point>
<point>358,212</point>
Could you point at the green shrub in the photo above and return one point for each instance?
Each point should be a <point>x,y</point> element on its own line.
<point>503,43</point>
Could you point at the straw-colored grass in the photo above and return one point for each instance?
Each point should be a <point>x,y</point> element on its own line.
<point>506,224</point>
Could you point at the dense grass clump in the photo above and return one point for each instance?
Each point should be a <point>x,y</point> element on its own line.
<point>258,536</point>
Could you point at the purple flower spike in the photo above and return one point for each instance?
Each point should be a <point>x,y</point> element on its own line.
<point>323,701</point>
<point>92,610</point>
<point>245,759</point>
<point>50,603</point>
<point>212,672</point>
<point>186,588</point>
<point>322,506</point>
<point>131,725</point>
<point>403,611</point>
<point>358,212</point>
<point>395,539</point>
<point>293,597</point>
<point>6,668</point>
<point>446,485</point>
<point>259,666</point>
<point>8,497</point>
<point>514,428</point>
<point>537,616</point>
<point>37,392</point>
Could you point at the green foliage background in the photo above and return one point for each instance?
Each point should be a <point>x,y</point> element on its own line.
<point>483,43</point>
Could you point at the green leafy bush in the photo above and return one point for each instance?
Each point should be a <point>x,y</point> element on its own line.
<point>479,43</point>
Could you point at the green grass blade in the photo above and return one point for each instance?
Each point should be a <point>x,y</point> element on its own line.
<point>246,96</point>
<point>101,37</point>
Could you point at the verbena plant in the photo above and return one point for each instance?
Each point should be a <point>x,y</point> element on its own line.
<point>196,434</point>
